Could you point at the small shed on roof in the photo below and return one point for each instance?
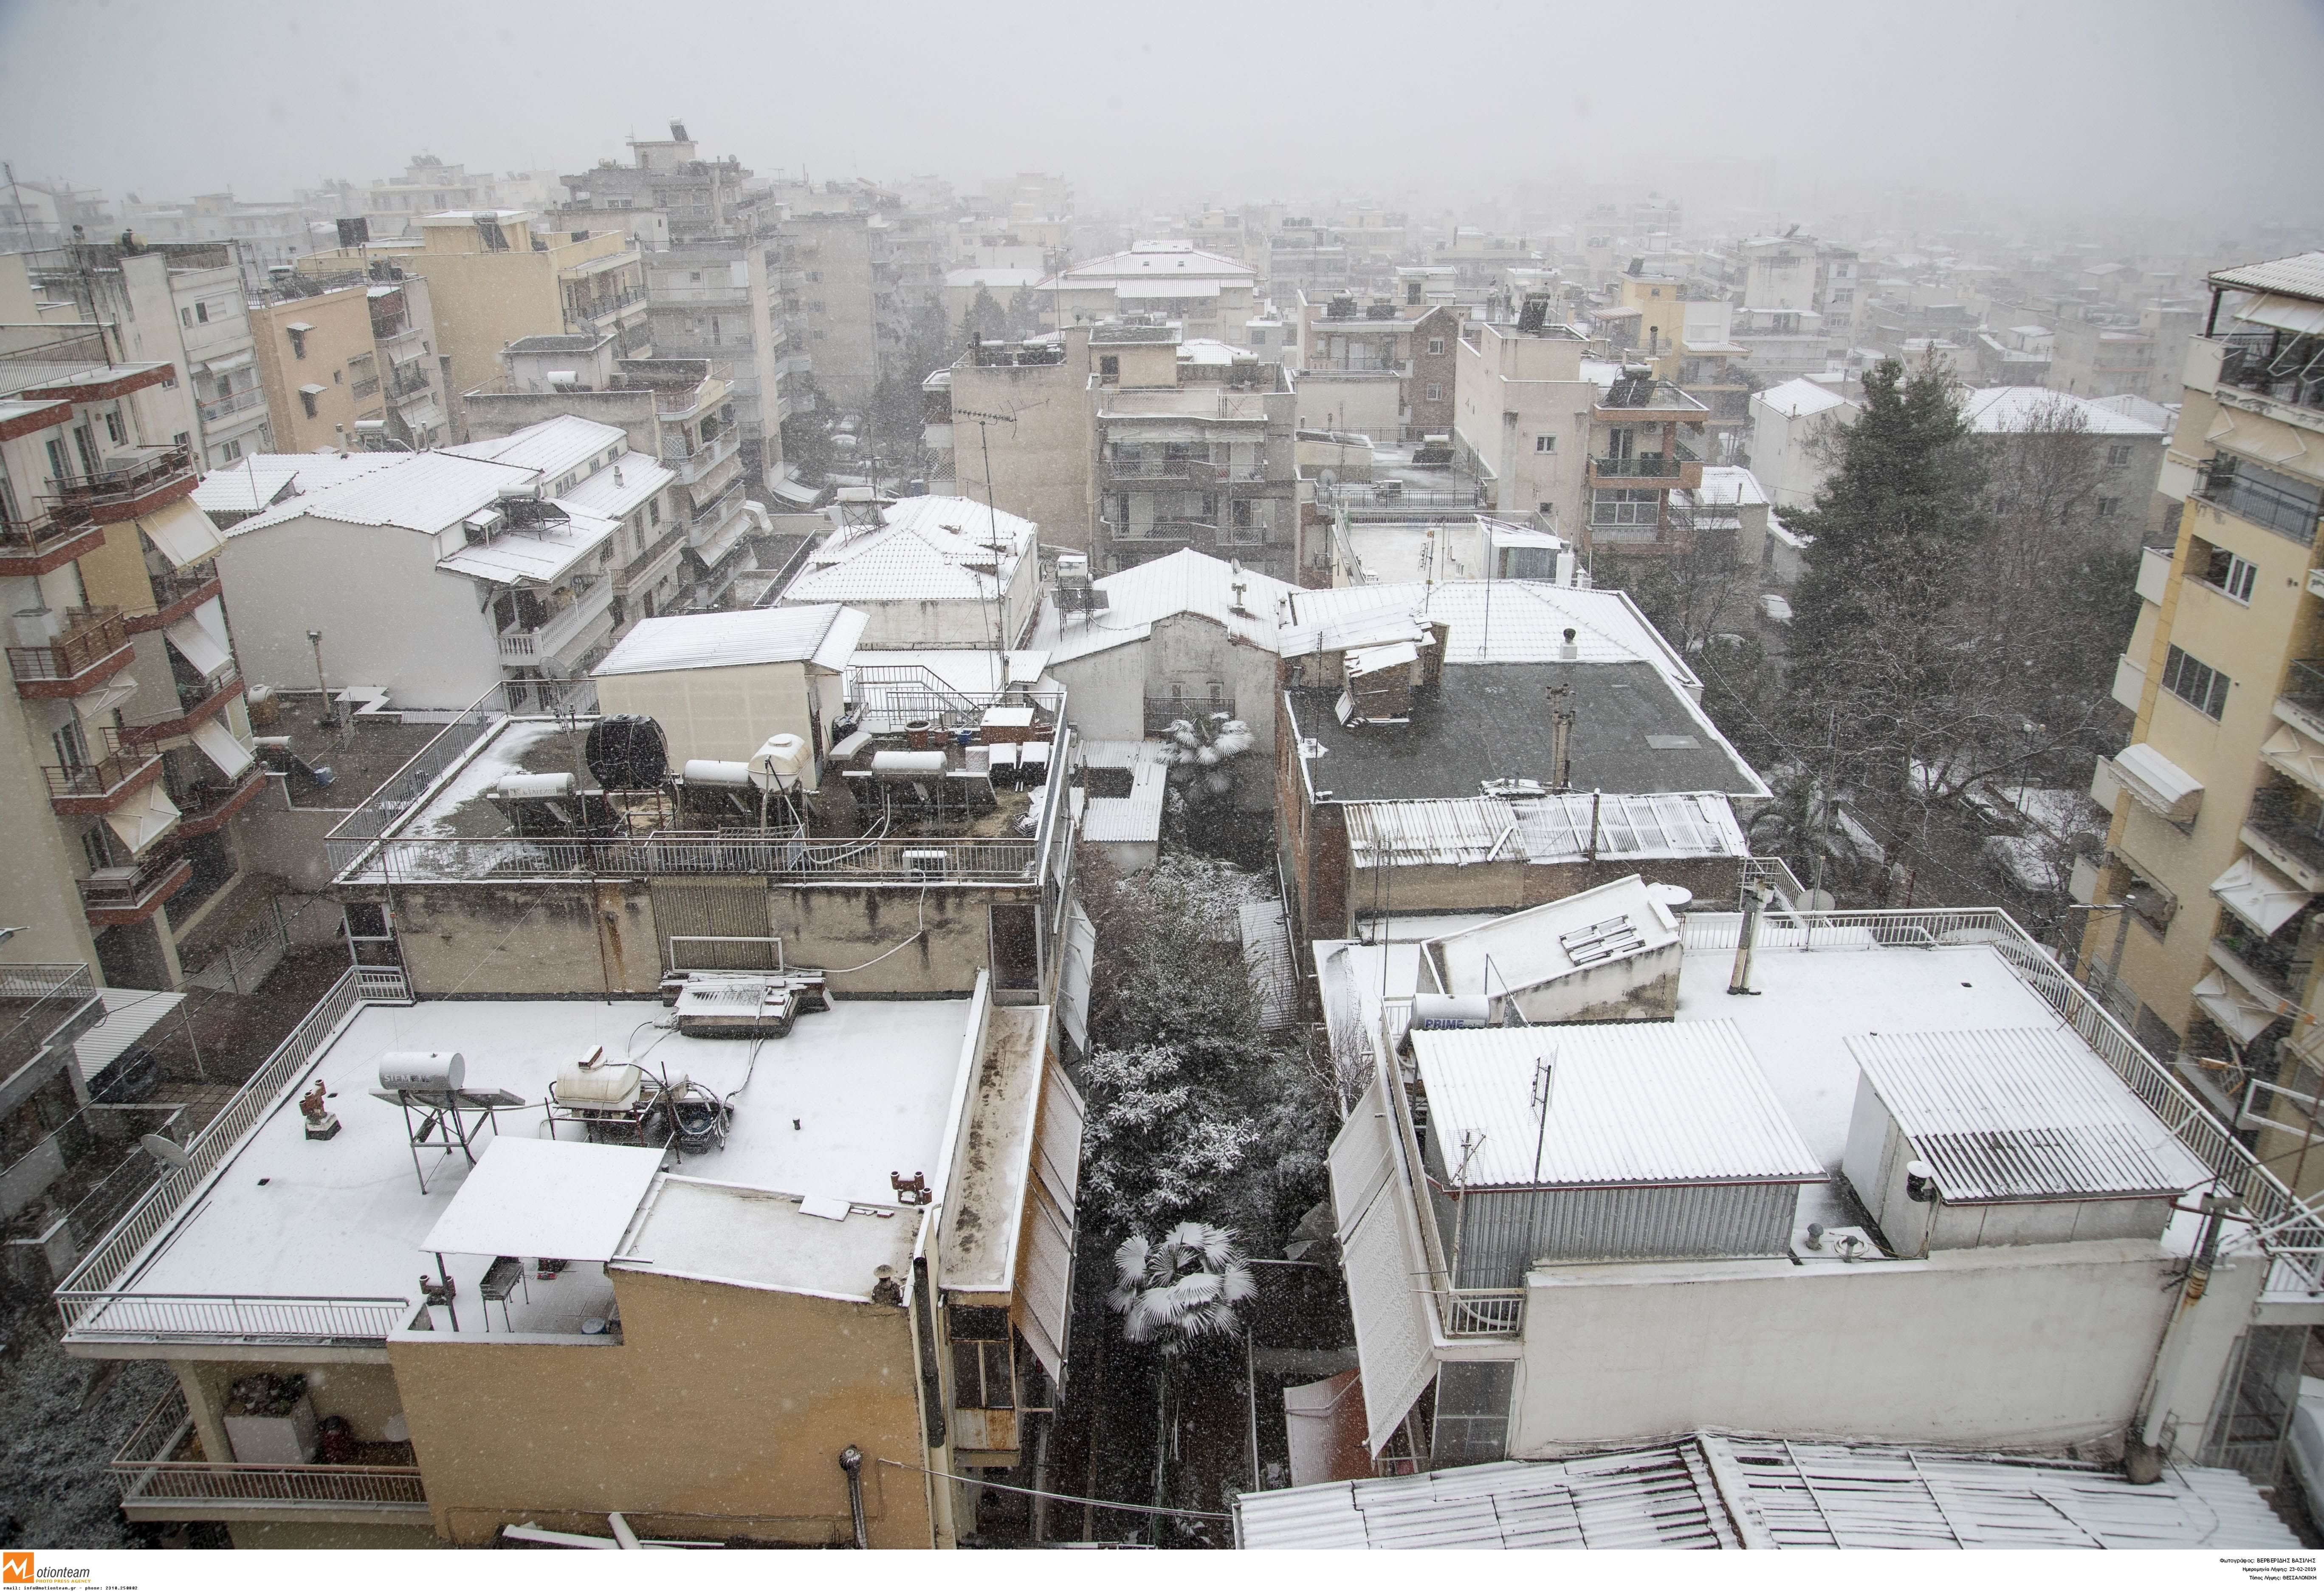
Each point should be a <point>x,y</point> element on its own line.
<point>2026,1136</point>
<point>720,684</point>
<point>1609,954</point>
<point>1607,1142</point>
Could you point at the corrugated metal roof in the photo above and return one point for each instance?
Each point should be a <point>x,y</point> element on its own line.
<point>1630,1103</point>
<point>1543,830</point>
<point>2022,1113</point>
<point>640,478</point>
<point>424,492</point>
<point>1782,1495</point>
<point>1267,958</point>
<point>824,635</point>
<point>1527,948</point>
<point>544,555</point>
<point>1135,819</point>
<point>552,446</point>
<point>2299,276</point>
<point>900,566</point>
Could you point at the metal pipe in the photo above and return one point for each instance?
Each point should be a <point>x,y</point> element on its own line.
<point>1755,902</point>
<point>851,1460</point>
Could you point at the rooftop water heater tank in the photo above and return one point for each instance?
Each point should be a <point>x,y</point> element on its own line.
<point>781,762</point>
<point>533,787</point>
<point>626,752</point>
<point>594,1081</point>
<point>711,771</point>
<point>423,1071</point>
<point>906,765</point>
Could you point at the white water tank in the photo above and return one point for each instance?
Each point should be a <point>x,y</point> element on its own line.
<point>710,770</point>
<point>534,787</point>
<point>424,1071</point>
<point>906,765</point>
<point>779,762</point>
<point>1443,1010</point>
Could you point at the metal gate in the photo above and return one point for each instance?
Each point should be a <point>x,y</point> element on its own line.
<point>718,924</point>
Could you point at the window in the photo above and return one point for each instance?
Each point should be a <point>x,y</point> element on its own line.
<point>1544,443</point>
<point>814,276</point>
<point>93,847</point>
<point>298,343</point>
<point>337,378</point>
<point>1625,506</point>
<point>1436,391</point>
<point>1110,366</point>
<point>184,318</point>
<point>202,313</point>
<point>113,426</point>
<point>2228,574</point>
<point>2195,683</point>
<point>181,439</point>
<point>2283,504</point>
<point>71,746</point>
<point>653,511</point>
<point>1242,513</point>
<point>57,471</point>
<point>2109,507</point>
<point>815,305</point>
<point>2118,453</point>
<point>1472,1412</point>
<point>228,452</point>
<point>307,403</point>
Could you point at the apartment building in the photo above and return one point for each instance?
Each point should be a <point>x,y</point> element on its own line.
<point>934,573</point>
<point>1355,366</point>
<point>1194,447</point>
<point>1523,395</point>
<point>50,215</point>
<point>713,199</point>
<point>1828,1215</point>
<point>349,360</point>
<point>395,207</point>
<point>1792,434</point>
<point>264,235</point>
<point>127,757</point>
<point>497,275</point>
<point>1210,296</point>
<point>1013,422</point>
<point>718,298</point>
<point>2204,935</point>
<point>435,579</point>
<point>183,303</point>
<point>2125,452</point>
<point>830,287</point>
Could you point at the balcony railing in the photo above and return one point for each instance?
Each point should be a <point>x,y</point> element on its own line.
<point>364,388</point>
<point>218,409</point>
<point>55,1003</point>
<point>87,1298</point>
<point>157,1482</point>
<point>694,465</point>
<point>175,595</point>
<point>132,892</point>
<point>407,379</point>
<point>206,809</point>
<point>93,646</point>
<point>195,703</point>
<point>1645,467</point>
<point>122,491</point>
<point>117,771</point>
<point>523,648</point>
<point>2284,368</point>
<point>2252,492</point>
<point>2275,816</point>
<point>35,547</point>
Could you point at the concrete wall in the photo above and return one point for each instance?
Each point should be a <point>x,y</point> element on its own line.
<point>1041,465</point>
<point>389,617</point>
<point>1371,405</point>
<point>719,713</point>
<point>342,331</point>
<point>1106,691</point>
<point>2039,1346</point>
<point>721,1412</point>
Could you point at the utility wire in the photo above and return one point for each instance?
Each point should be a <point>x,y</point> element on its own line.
<point>1059,1497</point>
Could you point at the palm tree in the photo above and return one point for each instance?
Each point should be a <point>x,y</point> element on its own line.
<point>1205,743</point>
<point>1174,1295</point>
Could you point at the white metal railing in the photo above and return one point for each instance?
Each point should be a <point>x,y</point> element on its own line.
<point>523,647</point>
<point>87,1298</point>
<point>243,1318</point>
<point>352,834</point>
<point>2291,1229</point>
<point>401,859</point>
<point>1481,1312</point>
<point>150,1477</point>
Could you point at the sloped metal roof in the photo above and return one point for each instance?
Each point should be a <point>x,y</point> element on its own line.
<point>2022,1113</point>
<point>1719,1492</point>
<point>2299,276</point>
<point>824,635</point>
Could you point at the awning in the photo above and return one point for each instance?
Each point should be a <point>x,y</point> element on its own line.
<point>196,646</point>
<point>2294,753</point>
<point>130,1015</point>
<point>183,532</point>
<point>2258,895</point>
<point>546,1198</point>
<point>1074,978</point>
<point>2232,1007</point>
<point>114,693</point>
<point>1377,1254</point>
<point>2293,315</point>
<point>314,389</point>
<point>1045,1263</point>
<point>298,326</point>
<point>144,820</point>
<point>224,362</point>
<point>2154,782</point>
<point>219,744</point>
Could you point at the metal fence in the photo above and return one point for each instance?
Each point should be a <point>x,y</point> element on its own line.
<point>400,789</point>
<point>54,993</point>
<point>150,1476</point>
<point>418,860</point>
<point>87,1298</point>
<point>2291,1229</point>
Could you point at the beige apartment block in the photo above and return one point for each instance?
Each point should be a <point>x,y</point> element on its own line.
<point>829,259</point>
<point>495,276</point>
<point>2206,930</point>
<point>1522,397</point>
<point>1015,420</point>
<point>349,361</point>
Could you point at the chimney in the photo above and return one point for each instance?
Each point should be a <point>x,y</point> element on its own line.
<point>1754,904</point>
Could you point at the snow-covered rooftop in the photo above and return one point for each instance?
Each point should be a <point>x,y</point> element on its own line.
<point>620,489</point>
<point>1183,582</point>
<point>556,447</point>
<point>824,1112</point>
<point>1799,396</point>
<point>256,479</point>
<point>424,492</point>
<point>2023,409</point>
<point>1135,819</point>
<point>530,556</point>
<point>1491,622</point>
<point>823,635</point>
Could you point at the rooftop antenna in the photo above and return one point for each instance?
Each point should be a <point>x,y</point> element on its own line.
<point>992,519</point>
<point>1544,1090</point>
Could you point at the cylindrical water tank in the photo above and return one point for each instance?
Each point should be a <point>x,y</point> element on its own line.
<point>780,760</point>
<point>906,765</point>
<point>432,1071</point>
<point>537,787</point>
<point>710,770</point>
<point>1443,1010</point>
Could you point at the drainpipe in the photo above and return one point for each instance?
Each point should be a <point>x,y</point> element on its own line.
<point>2143,1455</point>
<point>1755,902</point>
<point>851,1460</point>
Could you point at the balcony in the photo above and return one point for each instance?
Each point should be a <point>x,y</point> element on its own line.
<point>35,547</point>
<point>362,389</point>
<point>130,894</point>
<point>195,702</point>
<point>2278,368</point>
<point>2285,505</point>
<point>233,404</point>
<point>204,810</point>
<point>175,595</point>
<point>163,1478</point>
<point>2264,966</point>
<point>693,468</point>
<point>103,783</point>
<point>2293,845</point>
<point>407,379</point>
<point>526,649</point>
<point>158,476</point>
<point>2301,700</point>
<point>1681,469</point>
<point>93,647</point>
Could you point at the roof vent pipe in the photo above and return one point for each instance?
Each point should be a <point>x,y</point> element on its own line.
<point>1754,902</point>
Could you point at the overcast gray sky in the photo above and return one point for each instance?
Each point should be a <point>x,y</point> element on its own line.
<point>2210,112</point>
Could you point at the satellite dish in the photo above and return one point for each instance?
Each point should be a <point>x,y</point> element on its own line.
<point>1818,900</point>
<point>168,1152</point>
<point>1329,477</point>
